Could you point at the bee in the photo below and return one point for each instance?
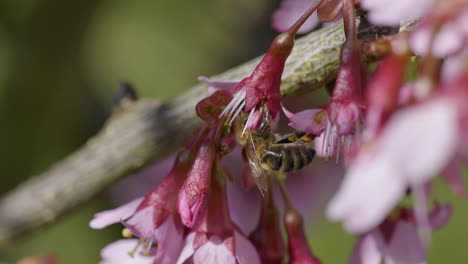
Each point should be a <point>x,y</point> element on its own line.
<point>267,152</point>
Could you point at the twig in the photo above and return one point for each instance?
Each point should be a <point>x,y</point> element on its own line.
<point>143,132</point>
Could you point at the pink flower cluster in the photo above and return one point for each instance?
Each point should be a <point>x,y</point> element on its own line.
<point>393,135</point>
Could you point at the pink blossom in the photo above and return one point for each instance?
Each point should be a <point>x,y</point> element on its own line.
<point>405,155</point>
<point>340,119</point>
<point>193,196</point>
<point>215,239</point>
<point>384,12</point>
<point>263,85</point>
<point>153,218</point>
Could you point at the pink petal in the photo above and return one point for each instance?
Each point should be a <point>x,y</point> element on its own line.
<point>246,253</point>
<point>118,253</point>
<point>219,85</point>
<point>142,224</point>
<point>453,176</point>
<point>368,249</point>
<point>113,216</point>
<point>440,216</point>
<point>290,11</point>
<point>312,187</point>
<point>405,247</point>
<point>453,67</point>
<point>244,206</point>
<point>408,140</point>
<point>170,240</point>
<point>187,250</point>
<point>368,193</point>
<point>311,121</point>
<point>384,12</point>
<point>449,40</point>
<point>213,252</point>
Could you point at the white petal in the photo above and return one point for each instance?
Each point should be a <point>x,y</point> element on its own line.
<point>422,139</point>
<point>213,252</point>
<point>384,12</point>
<point>118,253</point>
<point>113,216</point>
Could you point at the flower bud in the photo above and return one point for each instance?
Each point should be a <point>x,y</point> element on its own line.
<point>193,195</point>
<point>299,251</point>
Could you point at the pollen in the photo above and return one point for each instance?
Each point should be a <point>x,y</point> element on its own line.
<point>127,233</point>
<point>307,138</point>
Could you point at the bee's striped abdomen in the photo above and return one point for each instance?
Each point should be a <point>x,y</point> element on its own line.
<point>287,157</point>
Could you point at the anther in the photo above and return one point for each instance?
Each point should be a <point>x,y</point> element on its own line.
<point>127,233</point>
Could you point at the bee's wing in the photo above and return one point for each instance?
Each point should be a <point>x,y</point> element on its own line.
<point>254,161</point>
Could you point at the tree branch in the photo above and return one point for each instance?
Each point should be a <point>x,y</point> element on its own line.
<point>145,131</point>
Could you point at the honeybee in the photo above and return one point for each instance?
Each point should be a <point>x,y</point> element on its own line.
<point>267,152</point>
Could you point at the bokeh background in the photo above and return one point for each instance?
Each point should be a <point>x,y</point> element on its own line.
<point>61,62</point>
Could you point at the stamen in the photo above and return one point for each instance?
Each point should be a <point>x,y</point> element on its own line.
<point>248,119</point>
<point>236,103</point>
<point>132,252</point>
<point>148,246</point>
<point>241,106</point>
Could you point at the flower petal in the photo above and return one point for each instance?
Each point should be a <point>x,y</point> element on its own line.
<point>384,12</point>
<point>405,247</point>
<point>118,253</point>
<point>170,240</point>
<point>368,192</point>
<point>448,40</point>
<point>213,252</point>
<point>440,216</point>
<point>312,121</point>
<point>408,139</point>
<point>218,84</point>
<point>113,216</point>
<point>244,206</point>
<point>290,11</point>
<point>368,249</point>
<point>245,250</point>
<point>142,224</point>
<point>187,250</point>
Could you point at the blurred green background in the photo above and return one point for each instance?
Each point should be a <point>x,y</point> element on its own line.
<point>60,63</point>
